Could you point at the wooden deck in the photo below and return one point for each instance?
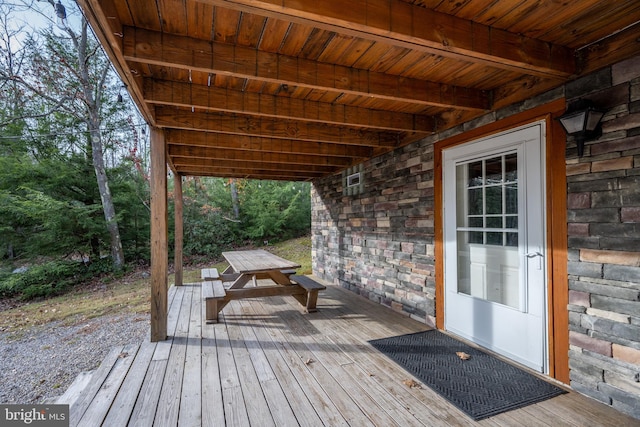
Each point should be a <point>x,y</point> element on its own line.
<point>267,364</point>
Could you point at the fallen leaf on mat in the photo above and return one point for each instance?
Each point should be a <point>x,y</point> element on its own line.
<point>308,361</point>
<point>411,384</point>
<point>462,355</point>
<point>123,355</point>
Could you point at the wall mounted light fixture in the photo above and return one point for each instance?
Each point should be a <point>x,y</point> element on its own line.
<point>582,121</point>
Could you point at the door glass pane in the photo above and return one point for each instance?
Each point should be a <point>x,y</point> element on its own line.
<point>475,201</point>
<point>487,229</point>
<point>511,198</point>
<point>493,171</point>
<point>511,168</point>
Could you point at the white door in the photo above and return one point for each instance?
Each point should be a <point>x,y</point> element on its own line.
<point>494,231</point>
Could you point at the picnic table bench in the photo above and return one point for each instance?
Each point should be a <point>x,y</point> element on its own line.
<point>248,267</point>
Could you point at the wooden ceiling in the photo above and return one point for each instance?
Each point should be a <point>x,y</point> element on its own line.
<point>300,89</point>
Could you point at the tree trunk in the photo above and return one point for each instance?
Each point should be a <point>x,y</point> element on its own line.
<point>117,254</point>
<point>234,198</point>
<point>93,104</point>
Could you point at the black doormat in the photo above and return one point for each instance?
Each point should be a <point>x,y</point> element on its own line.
<point>481,386</point>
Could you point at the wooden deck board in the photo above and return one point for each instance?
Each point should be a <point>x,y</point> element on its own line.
<point>100,404</point>
<point>266,363</point>
<point>254,398</point>
<point>191,415</point>
<point>123,405</point>
<point>306,415</point>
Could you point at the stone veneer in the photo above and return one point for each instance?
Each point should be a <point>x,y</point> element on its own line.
<point>603,202</point>
<point>380,243</point>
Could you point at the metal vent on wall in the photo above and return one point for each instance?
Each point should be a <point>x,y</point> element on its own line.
<point>353,180</point>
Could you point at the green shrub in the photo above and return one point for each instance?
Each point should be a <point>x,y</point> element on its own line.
<point>43,280</point>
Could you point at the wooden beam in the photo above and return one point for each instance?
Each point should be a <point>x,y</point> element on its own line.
<point>185,162</point>
<point>281,175</point>
<point>281,107</point>
<point>416,27</point>
<point>176,118</point>
<point>608,51</point>
<point>188,53</point>
<point>159,236</point>
<point>270,145</point>
<point>178,228</point>
<point>221,154</point>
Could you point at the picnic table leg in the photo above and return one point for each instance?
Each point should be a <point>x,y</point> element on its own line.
<point>212,310</point>
<point>278,277</point>
<point>312,299</point>
<point>241,281</point>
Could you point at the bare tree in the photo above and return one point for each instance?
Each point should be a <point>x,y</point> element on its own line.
<point>70,74</point>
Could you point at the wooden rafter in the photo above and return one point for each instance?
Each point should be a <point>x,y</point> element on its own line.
<point>220,58</point>
<point>403,24</point>
<point>246,164</point>
<point>273,145</point>
<point>282,107</point>
<point>225,154</point>
<point>249,173</point>
<point>257,126</point>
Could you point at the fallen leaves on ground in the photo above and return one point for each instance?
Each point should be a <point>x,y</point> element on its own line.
<point>411,384</point>
<point>308,362</point>
<point>462,355</point>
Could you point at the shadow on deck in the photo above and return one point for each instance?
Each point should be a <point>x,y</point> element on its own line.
<point>267,364</point>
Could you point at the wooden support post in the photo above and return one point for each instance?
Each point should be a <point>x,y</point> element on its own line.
<point>159,236</point>
<point>179,228</point>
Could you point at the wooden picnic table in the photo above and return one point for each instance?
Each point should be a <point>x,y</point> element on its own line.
<point>251,266</point>
<point>256,264</point>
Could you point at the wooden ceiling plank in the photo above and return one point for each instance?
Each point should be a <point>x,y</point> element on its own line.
<point>274,33</point>
<point>371,57</point>
<point>252,143</point>
<point>335,49</point>
<point>251,27</point>
<point>217,99</point>
<point>355,51</point>
<point>220,58</point>
<point>200,20</point>
<point>598,23</point>
<point>618,47</point>
<point>143,16</point>
<point>271,128</point>
<point>427,30</point>
<point>316,44</point>
<point>296,37</point>
<point>173,16</point>
<point>225,25</point>
<point>216,153</point>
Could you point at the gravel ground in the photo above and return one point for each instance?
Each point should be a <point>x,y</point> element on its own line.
<point>44,362</point>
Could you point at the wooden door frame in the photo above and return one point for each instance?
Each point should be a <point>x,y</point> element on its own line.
<point>556,220</point>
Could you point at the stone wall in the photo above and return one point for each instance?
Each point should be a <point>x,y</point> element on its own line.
<point>380,243</point>
<point>603,202</point>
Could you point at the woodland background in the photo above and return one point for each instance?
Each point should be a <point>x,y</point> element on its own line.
<point>74,181</point>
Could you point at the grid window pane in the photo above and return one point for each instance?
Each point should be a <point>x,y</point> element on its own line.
<point>476,222</point>
<point>511,168</point>
<point>475,174</point>
<point>493,168</point>
<point>494,199</point>
<point>489,189</point>
<point>475,202</point>
<point>494,222</point>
